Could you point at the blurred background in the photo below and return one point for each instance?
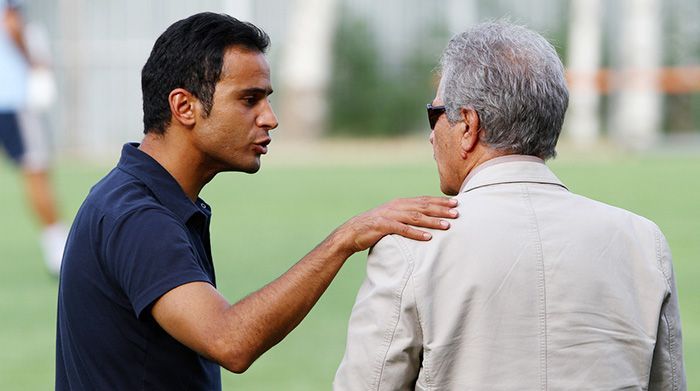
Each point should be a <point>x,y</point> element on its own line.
<point>363,68</point>
<point>351,80</point>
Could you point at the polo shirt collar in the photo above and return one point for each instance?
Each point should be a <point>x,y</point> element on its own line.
<point>510,169</point>
<point>159,181</point>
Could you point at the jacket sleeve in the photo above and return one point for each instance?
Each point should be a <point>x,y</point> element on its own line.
<point>667,371</point>
<point>384,344</point>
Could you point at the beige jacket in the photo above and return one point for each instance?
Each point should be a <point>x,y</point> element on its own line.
<point>533,288</point>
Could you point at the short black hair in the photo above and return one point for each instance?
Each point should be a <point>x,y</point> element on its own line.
<point>189,55</point>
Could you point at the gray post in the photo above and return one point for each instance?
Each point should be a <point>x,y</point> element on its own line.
<point>637,109</point>
<point>583,62</point>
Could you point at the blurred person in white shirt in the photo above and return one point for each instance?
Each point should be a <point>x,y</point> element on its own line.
<point>28,90</point>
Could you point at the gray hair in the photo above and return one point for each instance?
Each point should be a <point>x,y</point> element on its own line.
<point>514,80</point>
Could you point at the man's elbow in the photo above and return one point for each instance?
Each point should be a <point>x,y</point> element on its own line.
<point>231,358</point>
<point>237,364</point>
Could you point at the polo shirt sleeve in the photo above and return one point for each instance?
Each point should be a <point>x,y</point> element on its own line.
<point>149,253</point>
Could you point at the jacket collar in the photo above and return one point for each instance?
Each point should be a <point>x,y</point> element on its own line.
<point>510,169</point>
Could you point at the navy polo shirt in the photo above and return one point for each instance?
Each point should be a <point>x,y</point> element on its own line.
<point>136,237</point>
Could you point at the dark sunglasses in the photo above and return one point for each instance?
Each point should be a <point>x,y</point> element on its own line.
<point>434,113</point>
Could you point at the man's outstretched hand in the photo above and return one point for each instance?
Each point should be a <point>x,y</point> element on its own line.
<point>235,335</point>
<point>400,216</point>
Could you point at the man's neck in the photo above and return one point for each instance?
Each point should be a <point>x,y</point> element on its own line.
<point>176,155</point>
<point>493,160</point>
<point>481,155</point>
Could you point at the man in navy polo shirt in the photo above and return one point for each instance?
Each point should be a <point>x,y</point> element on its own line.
<point>138,307</point>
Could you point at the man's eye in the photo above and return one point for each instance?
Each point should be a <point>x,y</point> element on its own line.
<point>250,100</point>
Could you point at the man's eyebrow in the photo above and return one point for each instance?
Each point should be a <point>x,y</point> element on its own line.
<point>256,91</point>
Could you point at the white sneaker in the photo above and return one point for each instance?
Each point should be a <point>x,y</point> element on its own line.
<point>53,241</point>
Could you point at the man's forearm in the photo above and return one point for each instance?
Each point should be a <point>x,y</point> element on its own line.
<point>265,317</point>
<point>15,29</point>
<point>236,335</point>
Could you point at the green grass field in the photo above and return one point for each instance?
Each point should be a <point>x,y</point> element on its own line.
<point>265,222</point>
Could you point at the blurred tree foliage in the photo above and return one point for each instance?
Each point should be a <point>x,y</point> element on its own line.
<point>681,48</point>
<point>369,98</point>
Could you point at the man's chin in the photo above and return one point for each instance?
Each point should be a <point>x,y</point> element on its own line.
<point>448,190</point>
<point>252,166</point>
<point>252,169</point>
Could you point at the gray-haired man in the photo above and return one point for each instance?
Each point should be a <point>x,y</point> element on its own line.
<point>534,287</point>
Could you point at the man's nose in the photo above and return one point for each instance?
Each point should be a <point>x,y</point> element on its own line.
<point>267,119</point>
<point>432,136</point>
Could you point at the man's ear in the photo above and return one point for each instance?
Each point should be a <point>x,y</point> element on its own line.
<point>183,106</point>
<point>470,134</point>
